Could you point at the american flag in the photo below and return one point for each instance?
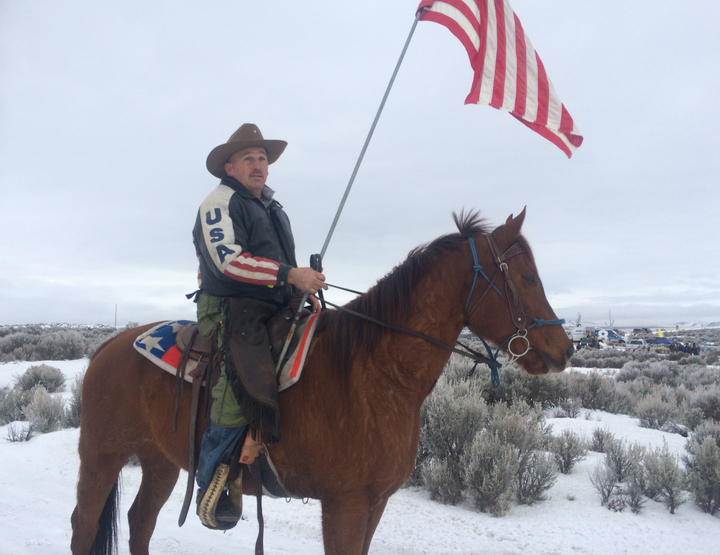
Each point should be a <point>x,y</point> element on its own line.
<point>509,75</point>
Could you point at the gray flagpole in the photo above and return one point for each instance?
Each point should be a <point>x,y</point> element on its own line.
<point>350,183</point>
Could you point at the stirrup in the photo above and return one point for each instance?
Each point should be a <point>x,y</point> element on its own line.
<point>235,493</point>
<point>208,504</point>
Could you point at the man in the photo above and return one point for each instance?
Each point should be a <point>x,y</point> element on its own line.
<point>247,273</point>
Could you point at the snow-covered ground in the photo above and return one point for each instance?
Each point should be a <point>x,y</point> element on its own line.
<point>37,496</point>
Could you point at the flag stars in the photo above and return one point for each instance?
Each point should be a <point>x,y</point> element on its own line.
<point>153,342</point>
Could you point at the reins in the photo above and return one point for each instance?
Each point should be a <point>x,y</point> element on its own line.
<point>473,355</point>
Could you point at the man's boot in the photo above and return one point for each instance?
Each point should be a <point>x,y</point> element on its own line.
<point>215,508</point>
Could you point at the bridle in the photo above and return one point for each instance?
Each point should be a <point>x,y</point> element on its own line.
<point>517,313</point>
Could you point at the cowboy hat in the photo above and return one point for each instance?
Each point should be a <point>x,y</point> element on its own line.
<point>246,137</point>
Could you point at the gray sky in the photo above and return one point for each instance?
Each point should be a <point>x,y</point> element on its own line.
<point>109,109</point>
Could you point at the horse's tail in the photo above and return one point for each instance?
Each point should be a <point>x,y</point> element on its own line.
<point>106,539</point>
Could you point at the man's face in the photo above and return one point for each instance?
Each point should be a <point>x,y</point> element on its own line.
<point>250,167</point>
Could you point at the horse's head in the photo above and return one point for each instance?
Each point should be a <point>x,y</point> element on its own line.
<point>507,304</point>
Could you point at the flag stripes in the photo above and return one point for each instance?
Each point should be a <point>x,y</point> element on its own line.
<point>257,270</point>
<point>509,74</point>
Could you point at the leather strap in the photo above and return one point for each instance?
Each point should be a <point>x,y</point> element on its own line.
<point>180,375</point>
<point>516,308</point>
<point>201,373</point>
<point>514,249</point>
<point>517,313</point>
<point>257,486</point>
<point>477,357</point>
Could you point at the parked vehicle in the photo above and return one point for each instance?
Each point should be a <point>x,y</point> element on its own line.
<point>588,342</point>
<point>636,344</point>
<point>577,334</point>
<point>611,335</point>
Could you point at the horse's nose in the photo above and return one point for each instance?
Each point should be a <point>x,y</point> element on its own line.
<point>570,352</point>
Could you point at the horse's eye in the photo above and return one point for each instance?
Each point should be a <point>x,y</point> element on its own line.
<point>532,280</point>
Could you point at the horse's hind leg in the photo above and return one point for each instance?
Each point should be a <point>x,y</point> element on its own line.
<point>159,476</point>
<point>95,484</point>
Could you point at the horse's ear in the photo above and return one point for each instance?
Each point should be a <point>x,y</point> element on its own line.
<point>513,225</point>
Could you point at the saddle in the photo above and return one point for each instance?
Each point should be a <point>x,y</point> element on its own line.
<point>199,347</point>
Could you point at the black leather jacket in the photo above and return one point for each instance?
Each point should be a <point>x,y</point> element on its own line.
<point>245,245</point>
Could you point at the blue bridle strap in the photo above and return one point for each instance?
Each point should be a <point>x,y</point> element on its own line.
<point>478,270</point>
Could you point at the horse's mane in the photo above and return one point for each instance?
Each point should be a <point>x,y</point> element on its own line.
<point>391,297</point>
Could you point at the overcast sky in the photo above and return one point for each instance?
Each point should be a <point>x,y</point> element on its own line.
<point>109,109</point>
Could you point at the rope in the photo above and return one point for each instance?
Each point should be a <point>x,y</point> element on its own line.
<point>344,289</point>
<point>477,357</point>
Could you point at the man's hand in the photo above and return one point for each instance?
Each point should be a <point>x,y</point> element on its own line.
<point>315,302</point>
<point>306,279</point>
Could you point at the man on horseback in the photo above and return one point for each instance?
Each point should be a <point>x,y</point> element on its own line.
<point>247,274</point>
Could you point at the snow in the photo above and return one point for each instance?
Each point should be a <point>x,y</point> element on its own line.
<point>39,477</point>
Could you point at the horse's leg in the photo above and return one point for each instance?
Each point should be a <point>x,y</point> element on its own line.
<point>159,476</point>
<point>376,513</point>
<point>345,524</point>
<point>95,483</point>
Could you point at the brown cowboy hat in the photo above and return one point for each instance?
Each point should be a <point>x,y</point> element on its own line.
<point>247,136</point>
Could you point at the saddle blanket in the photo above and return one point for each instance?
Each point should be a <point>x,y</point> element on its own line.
<point>159,346</point>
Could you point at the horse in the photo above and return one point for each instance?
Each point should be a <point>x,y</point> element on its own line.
<point>350,427</point>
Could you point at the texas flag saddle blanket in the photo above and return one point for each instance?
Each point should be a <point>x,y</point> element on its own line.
<point>159,345</point>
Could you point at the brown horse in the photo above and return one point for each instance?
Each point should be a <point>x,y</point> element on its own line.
<point>350,426</point>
